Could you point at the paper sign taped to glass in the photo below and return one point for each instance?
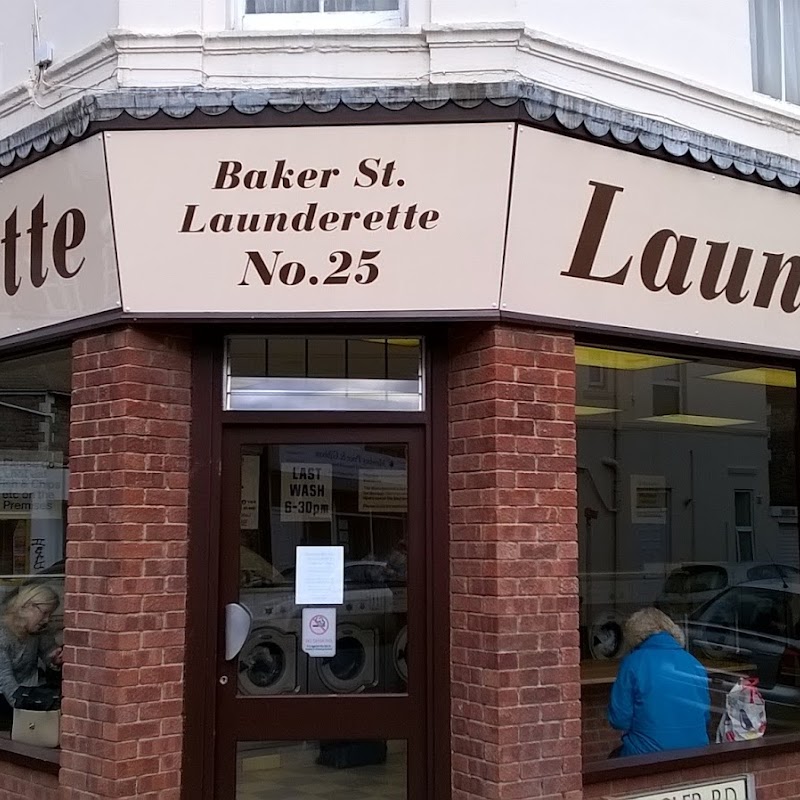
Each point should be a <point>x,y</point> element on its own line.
<point>319,576</point>
<point>319,632</point>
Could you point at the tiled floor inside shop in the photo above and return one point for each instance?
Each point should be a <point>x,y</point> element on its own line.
<point>290,772</point>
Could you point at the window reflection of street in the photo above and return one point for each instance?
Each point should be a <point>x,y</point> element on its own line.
<point>687,499</point>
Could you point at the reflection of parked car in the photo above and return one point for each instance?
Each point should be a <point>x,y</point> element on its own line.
<point>690,585</point>
<point>756,625</point>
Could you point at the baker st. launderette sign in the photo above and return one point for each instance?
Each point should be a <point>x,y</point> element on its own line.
<point>605,237</point>
<point>56,245</point>
<point>317,220</point>
<point>738,788</point>
<point>398,220</point>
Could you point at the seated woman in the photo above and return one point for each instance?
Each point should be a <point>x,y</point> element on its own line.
<point>660,699</point>
<point>25,642</point>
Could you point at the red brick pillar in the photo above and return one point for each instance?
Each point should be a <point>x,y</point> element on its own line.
<point>514,585</point>
<point>125,600</point>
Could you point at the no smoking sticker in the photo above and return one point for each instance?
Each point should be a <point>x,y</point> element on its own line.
<point>319,632</point>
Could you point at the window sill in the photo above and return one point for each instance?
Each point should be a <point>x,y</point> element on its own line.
<point>41,759</point>
<point>636,766</point>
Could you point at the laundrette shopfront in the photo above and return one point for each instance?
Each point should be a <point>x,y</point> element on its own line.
<point>375,435</point>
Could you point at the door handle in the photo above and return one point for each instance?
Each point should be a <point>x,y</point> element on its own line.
<point>238,621</point>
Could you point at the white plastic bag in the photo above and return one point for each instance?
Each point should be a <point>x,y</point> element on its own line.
<point>745,715</point>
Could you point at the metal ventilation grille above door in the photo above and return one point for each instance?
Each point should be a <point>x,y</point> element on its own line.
<point>324,373</point>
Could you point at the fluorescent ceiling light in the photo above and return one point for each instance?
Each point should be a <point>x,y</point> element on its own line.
<point>697,420</point>
<point>620,359</point>
<point>763,376</point>
<point>593,411</point>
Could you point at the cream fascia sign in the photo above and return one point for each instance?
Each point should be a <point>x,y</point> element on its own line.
<point>597,235</point>
<point>311,220</point>
<point>56,243</point>
<point>396,220</point>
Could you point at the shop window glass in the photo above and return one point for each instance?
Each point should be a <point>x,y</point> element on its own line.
<point>687,504</point>
<point>320,373</point>
<point>34,444</point>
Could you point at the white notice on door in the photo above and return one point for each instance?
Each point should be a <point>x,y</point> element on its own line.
<point>305,492</point>
<point>382,490</point>
<point>319,576</point>
<point>319,632</point>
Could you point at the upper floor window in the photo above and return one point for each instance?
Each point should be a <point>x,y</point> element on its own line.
<point>321,13</point>
<point>775,42</point>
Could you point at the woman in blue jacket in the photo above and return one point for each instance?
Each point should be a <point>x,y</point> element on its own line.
<point>660,699</point>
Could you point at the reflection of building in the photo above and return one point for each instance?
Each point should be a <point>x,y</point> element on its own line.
<point>679,462</point>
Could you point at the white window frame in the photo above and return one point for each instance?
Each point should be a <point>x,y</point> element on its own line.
<point>782,56</point>
<point>321,20</point>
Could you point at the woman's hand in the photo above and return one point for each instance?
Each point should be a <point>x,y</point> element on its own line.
<point>56,658</point>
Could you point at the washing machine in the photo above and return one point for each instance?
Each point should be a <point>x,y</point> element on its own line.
<point>395,648</point>
<point>358,665</point>
<point>605,636</point>
<point>272,661</point>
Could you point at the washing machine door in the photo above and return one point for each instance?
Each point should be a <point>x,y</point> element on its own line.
<point>354,667</point>
<point>268,663</point>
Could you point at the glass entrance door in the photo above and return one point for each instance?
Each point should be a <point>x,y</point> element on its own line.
<point>321,664</point>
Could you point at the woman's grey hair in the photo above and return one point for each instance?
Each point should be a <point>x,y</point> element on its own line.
<point>32,593</point>
<point>645,623</point>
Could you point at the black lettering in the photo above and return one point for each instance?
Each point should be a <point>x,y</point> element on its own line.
<point>327,174</point>
<point>304,220</point>
<point>281,176</point>
<point>411,212</point>
<point>188,219</point>
<point>591,234</point>
<point>388,171</point>
<point>709,289</point>
<point>264,272</point>
<point>653,255</point>
<point>372,221</point>
<point>9,241</point>
<point>248,223</point>
<point>329,221</point>
<point>69,233</point>
<point>221,223</point>
<point>428,219</point>
<point>773,268</point>
<point>255,179</point>
<point>307,178</point>
<point>228,173</point>
<point>367,169</point>
<point>36,232</point>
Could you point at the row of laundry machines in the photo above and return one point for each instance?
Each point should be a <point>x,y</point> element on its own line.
<point>371,645</point>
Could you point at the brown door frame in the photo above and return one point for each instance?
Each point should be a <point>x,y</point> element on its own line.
<point>202,630</point>
<point>324,717</point>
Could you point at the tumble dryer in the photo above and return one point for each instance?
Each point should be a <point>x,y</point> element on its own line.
<point>271,661</point>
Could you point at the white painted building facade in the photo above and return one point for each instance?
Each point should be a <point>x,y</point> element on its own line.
<point>686,63</point>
